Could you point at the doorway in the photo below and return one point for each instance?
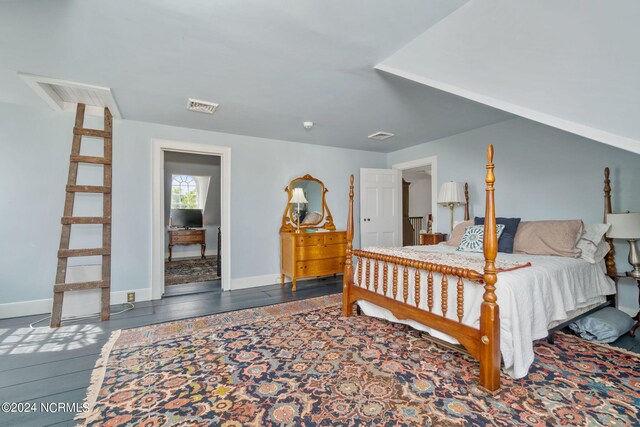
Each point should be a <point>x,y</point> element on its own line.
<point>192,209</point>
<point>416,204</point>
<point>421,176</point>
<point>191,213</point>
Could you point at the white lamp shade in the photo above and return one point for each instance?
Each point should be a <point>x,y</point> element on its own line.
<point>451,192</point>
<point>298,196</point>
<point>624,226</point>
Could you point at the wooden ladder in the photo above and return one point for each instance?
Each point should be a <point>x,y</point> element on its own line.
<point>64,253</point>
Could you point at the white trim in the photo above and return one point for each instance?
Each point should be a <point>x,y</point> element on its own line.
<point>255,281</point>
<point>158,147</point>
<point>262,280</point>
<point>425,161</point>
<point>608,138</point>
<point>39,84</point>
<point>43,306</point>
<point>189,253</point>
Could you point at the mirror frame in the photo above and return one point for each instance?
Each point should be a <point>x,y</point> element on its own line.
<point>327,220</point>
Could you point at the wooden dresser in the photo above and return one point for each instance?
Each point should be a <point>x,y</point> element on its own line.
<point>191,236</point>
<point>311,254</point>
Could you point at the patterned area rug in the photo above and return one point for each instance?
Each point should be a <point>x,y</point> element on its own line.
<point>301,364</point>
<point>190,270</point>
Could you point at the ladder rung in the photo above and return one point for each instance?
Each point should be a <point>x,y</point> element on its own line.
<point>91,159</point>
<point>80,286</point>
<point>92,132</point>
<point>86,220</point>
<point>67,253</point>
<point>87,189</point>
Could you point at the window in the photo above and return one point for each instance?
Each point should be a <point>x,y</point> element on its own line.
<point>184,192</point>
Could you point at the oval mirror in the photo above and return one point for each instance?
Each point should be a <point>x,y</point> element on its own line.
<point>306,204</point>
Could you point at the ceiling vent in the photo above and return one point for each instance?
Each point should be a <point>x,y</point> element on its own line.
<point>64,95</point>
<point>201,106</point>
<point>380,136</point>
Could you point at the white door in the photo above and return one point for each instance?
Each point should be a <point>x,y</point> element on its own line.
<point>380,191</point>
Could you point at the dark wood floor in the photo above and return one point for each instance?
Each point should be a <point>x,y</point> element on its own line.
<point>45,365</point>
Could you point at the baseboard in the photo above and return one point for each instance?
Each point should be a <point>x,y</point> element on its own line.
<point>190,254</point>
<point>255,281</point>
<point>264,280</point>
<point>77,303</point>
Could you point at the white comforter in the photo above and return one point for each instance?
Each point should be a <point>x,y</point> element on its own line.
<point>529,298</point>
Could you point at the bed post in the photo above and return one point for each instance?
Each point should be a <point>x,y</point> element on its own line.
<point>610,260</point>
<point>489,311</point>
<point>347,305</point>
<point>466,199</point>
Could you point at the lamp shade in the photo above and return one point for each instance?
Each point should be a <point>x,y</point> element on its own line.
<point>298,196</point>
<point>451,193</point>
<point>624,225</point>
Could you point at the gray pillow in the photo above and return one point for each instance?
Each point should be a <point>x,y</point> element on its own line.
<point>603,326</point>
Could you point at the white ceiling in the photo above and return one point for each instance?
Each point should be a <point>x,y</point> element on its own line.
<point>270,64</point>
<point>571,64</point>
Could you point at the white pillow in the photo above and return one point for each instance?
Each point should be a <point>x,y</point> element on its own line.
<point>592,244</point>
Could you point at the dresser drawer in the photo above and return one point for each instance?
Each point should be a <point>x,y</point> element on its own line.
<point>332,238</point>
<point>186,236</point>
<point>319,267</point>
<point>308,239</point>
<point>320,252</point>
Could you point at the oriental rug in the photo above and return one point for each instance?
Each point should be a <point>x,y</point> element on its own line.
<point>302,364</point>
<point>181,271</point>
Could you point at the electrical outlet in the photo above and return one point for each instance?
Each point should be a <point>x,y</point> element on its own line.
<point>131,296</point>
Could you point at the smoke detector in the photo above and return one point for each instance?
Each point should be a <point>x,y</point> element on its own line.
<point>201,106</point>
<point>307,125</point>
<point>380,136</point>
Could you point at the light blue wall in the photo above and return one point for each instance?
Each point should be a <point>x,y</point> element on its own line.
<point>541,173</point>
<point>34,147</point>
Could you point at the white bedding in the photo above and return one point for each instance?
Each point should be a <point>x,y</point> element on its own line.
<point>529,298</point>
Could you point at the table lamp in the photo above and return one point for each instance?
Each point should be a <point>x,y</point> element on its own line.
<point>298,197</point>
<point>627,226</point>
<point>451,195</point>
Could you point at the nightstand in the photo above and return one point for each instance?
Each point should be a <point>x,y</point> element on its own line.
<point>432,238</point>
<point>635,326</point>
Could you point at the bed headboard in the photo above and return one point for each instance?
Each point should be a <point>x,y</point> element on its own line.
<point>610,260</point>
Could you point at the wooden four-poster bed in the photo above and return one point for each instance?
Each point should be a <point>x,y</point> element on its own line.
<point>393,292</point>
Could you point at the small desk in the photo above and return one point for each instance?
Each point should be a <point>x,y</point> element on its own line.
<point>187,236</point>
<point>432,238</point>
<point>635,326</point>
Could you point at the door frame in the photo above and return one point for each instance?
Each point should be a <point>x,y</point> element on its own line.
<point>425,161</point>
<point>158,231</point>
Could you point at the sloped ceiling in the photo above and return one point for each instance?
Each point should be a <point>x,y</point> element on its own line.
<point>571,64</point>
<point>269,64</point>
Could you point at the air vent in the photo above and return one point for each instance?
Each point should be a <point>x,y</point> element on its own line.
<point>380,136</point>
<point>201,106</point>
<point>64,95</point>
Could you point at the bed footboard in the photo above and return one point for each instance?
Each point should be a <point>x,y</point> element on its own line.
<point>395,295</point>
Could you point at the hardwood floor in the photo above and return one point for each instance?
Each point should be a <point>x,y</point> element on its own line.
<point>45,365</point>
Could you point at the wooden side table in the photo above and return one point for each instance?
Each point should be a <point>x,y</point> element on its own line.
<point>432,238</point>
<point>635,326</point>
<point>190,236</point>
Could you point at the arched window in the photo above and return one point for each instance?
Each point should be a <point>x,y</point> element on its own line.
<point>184,192</point>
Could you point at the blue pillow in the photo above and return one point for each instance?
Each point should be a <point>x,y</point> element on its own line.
<point>505,242</point>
